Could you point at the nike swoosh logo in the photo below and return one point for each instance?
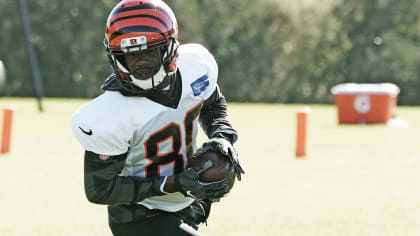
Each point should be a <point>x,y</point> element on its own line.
<point>189,194</point>
<point>86,132</point>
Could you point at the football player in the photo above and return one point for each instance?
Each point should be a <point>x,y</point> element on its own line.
<point>141,132</point>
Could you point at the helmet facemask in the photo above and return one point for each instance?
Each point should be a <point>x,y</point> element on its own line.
<point>145,67</point>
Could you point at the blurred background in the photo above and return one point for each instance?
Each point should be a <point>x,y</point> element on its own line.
<point>268,50</point>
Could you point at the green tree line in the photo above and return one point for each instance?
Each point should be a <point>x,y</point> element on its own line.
<point>267,50</point>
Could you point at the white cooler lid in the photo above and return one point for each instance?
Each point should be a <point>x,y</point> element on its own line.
<point>351,88</point>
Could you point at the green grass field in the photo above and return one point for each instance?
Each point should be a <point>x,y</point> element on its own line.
<point>356,180</point>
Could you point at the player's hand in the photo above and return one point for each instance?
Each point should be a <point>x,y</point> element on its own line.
<point>189,184</point>
<point>225,148</point>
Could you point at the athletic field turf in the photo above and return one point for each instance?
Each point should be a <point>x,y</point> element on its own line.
<point>356,180</point>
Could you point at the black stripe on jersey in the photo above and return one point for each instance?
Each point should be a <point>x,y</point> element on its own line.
<point>140,16</point>
<point>140,7</point>
<point>137,28</point>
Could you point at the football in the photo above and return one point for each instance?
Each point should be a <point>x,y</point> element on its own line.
<point>221,169</point>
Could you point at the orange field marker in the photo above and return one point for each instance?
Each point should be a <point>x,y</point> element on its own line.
<point>301,131</point>
<point>7,129</point>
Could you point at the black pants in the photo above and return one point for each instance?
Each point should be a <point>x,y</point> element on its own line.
<point>160,223</point>
<point>163,224</point>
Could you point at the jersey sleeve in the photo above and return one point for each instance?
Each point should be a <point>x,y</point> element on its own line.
<point>104,185</point>
<point>102,125</point>
<point>214,118</point>
<point>202,66</point>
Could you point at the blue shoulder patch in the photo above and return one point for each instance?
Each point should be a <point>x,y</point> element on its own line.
<point>200,85</point>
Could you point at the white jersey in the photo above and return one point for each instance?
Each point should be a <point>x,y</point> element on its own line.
<point>158,139</point>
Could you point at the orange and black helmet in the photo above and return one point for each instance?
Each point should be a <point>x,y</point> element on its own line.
<point>137,25</point>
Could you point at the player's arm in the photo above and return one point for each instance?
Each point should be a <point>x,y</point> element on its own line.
<point>214,118</point>
<point>215,123</point>
<point>104,185</point>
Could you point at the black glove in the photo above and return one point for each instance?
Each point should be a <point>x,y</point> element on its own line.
<point>189,184</point>
<point>225,148</point>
